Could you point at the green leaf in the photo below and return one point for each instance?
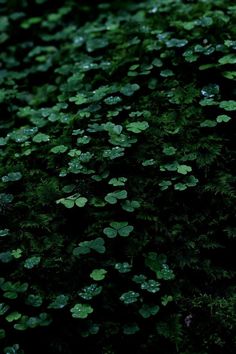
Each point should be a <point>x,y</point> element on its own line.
<point>152,286</point>
<point>12,177</point>
<point>59,149</point>
<point>231,75</point>
<point>34,300</point>
<point>98,274</point>
<point>166,299</point>
<point>129,297</point>
<point>122,228</point>
<point>208,124</point>
<point>180,186</point>
<point>223,118</point>
<point>89,292</point>
<point>114,153</point>
<point>117,182</point>
<point>184,169</point>
<point>113,197</point>
<point>130,205</point>
<point>17,253</point>
<point>150,162</point>
<point>129,89</point>
<point>228,59</point>
<point>147,311</point>
<point>191,181</point>
<point>109,232</point>
<point>41,138</point>
<point>137,127</point>
<point>228,105</point>
<point>13,316</point>
<point>79,99</point>
<point>169,150</point>
<point>165,273</point>
<point>32,262</point>
<point>125,230</point>
<point>60,302</point>
<point>113,100</point>
<point>84,140</point>
<point>81,310</point>
<point>81,201</point>
<point>167,73</point>
<point>165,185</point>
<point>123,267</point>
<point>85,247</point>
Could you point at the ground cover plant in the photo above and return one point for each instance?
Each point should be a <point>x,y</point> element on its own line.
<point>117,176</point>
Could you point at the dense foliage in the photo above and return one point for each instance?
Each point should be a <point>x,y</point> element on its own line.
<point>117,177</point>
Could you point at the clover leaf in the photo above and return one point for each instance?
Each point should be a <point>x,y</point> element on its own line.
<point>208,124</point>
<point>79,99</point>
<point>98,274</point>
<point>117,182</point>
<point>71,201</point>
<point>165,185</point>
<point>81,310</point>
<point>147,311</point>
<point>34,300</point>
<point>129,297</point>
<point>67,202</point>
<point>137,127</point>
<point>123,267</point>
<point>113,197</point>
<point>59,302</point>
<point>12,177</point>
<point>130,205</point>
<point>228,105</point>
<point>129,89</point>
<point>114,153</point>
<point>59,149</point>
<point>83,140</point>
<point>81,201</point>
<point>32,262</point>
<point>17,253</point>
<point>166,299</point>
<point>121,228</point>
<point>167,73</point>
<point>85,247</point>
<point>165,273</point>
<point>223,118</point>
<point>180,186</point>
<point>152,286</point>
<point>13,316</point>
<point>41,138</point>
<point>191,181</point>
<point>88,292</point>
<point>169,150</point>
<point>228,59</point>
<point>139,278</point>
<point>184,169</point>
<point>113,100</point>
<point>149,162</point>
